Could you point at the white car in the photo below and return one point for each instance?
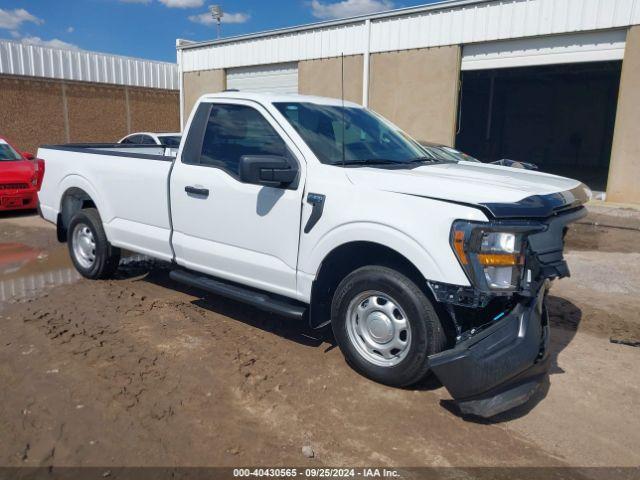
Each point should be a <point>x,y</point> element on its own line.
<point>325,212</point>
<point>169,140</point>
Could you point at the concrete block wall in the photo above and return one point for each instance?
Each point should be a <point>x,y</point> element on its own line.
<point>39,111</point>
<point>154,110</point>
<point>96,113</point>
<point>32,112</point>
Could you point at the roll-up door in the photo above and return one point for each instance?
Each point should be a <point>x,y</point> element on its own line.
<point>275,78</point>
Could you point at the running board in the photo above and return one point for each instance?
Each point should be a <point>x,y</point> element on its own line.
<point>260,300</point>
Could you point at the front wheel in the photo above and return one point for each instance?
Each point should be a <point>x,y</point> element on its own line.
<point>92,254</point>
<point>385,326</point>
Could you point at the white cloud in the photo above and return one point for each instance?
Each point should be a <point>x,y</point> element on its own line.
<point>55,43</point>
<point>13,19</point>
<point>207,19</point>
<point>70,29</point>
<point>348,8</point>
<point>182,3</point>
<point>235,17</point>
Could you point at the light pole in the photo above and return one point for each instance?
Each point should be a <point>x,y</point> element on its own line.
<point>217,14</point>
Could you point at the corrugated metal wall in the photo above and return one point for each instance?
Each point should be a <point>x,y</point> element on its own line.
<point>468,22</point>
<point>305,45</point>
<point>45,62</point>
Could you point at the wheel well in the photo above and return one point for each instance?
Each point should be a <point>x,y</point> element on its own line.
<point>344,260</point>
<point>73,200</point>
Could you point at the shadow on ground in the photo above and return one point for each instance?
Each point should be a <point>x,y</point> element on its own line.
<point>296,331</point>
<point>17,213</point>
<point>563,314</point>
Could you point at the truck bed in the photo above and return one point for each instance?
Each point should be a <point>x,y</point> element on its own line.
<point>135,179</point>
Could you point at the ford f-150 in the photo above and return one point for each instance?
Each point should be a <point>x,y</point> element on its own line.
<point>323,211</point>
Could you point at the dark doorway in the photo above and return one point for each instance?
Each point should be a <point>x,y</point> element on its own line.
<point>559,117</point>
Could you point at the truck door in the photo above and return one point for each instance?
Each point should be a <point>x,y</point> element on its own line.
<point>221,226</point>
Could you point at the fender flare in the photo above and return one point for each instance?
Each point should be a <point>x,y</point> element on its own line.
<point>74,181</point>
<point>371,232</point>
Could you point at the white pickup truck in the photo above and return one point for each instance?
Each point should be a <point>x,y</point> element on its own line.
<point>323,211</point>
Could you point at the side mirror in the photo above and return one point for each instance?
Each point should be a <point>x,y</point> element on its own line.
<point>529,166</point>
<point>268,170</point>
<point>28,156</point>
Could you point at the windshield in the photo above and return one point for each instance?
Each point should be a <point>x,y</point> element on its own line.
<point>368,139</point>
<point>170,140</point>
<point>7,153</point>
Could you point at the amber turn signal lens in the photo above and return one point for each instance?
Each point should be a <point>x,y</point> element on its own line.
<point>499,259</point>
<point>458,245</point>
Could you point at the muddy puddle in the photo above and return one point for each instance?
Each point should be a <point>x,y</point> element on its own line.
<point>27,271</point>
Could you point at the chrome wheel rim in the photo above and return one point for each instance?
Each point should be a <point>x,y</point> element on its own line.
<point>378,328</point>
<point>84,245</point>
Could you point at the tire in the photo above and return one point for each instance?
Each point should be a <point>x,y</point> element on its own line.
<point>91,253</point>
<point>361,317</point>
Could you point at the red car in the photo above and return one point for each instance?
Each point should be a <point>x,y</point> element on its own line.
<point>20,178</point>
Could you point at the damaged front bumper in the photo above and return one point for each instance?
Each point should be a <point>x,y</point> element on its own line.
<point>501,363</point>
<point>501,366</point>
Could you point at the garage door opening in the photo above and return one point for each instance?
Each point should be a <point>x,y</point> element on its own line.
<point>274,78</point>
<point>560,117</point>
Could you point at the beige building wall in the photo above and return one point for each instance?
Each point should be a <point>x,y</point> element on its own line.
<point>624,170</point>
<point>418,91</point>
<point>324,77</point>
<point>196,84</point>
<point>39,111</point>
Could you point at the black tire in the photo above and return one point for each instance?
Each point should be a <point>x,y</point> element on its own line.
<point>426,333</point>
<point>106,258</point>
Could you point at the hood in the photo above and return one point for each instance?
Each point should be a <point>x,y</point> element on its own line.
<point>504,192</point>
<point>20,171</point>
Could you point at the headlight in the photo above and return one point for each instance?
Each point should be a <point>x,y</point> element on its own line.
<point>492,255</point>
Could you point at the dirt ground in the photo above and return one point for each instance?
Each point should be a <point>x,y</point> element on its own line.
<point>139,371</point>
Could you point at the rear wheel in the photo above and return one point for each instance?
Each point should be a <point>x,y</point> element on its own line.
<point>92,254</point>
<point>385,326</point>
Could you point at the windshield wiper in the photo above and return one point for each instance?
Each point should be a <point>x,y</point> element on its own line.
<point>431,160</point>
<point>425,159</point>
<point>370,161</point>
<point>385,161</point>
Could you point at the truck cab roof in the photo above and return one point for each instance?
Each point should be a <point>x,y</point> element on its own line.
<point>266,98</point>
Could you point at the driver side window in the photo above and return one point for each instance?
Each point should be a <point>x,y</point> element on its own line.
<point>233,131</point>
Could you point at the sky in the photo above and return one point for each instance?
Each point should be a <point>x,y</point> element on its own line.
<point>149,28</point>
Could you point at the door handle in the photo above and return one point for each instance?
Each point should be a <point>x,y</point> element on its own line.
<point>201,192</point>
